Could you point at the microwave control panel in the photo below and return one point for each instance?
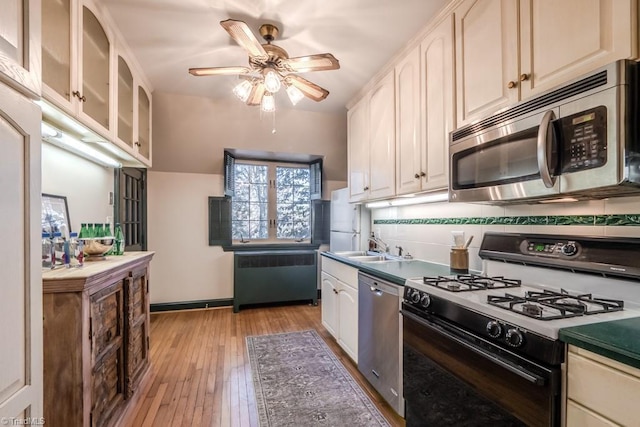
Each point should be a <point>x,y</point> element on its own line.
<point>583,138</point>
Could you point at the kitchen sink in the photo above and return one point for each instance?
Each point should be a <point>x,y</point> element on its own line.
<point>362,256</point>
<point>368,258</point>
<point>350,254</point>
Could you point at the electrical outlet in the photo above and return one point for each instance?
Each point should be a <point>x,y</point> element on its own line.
<point>110,198</point>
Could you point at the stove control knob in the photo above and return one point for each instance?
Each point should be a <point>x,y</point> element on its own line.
<point>425,300</point>
<point>494,329</point>
<point>415,297</point>
<point>570,249</point>
<point>514,338</point>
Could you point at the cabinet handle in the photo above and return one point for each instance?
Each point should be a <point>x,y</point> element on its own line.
<point>335,291</point>
<point>423,174</point>
<point>366,188</point>
<point>77,95</point>
<point>417,175</point>
<point>137,144</point>
<point>524,77</point>
<point>512,84</point>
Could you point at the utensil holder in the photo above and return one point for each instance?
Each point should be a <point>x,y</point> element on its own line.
<point>459,260</point>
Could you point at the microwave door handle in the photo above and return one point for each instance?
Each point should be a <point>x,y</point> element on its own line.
<point>542,143</point>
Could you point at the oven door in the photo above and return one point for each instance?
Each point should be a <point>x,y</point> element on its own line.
<point>454,379</point>
<point>511,161</point>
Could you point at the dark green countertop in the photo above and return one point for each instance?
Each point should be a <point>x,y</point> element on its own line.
<point>618,339</point>
<point>395,271</point>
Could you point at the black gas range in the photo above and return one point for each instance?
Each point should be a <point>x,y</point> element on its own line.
<point>494,337</point>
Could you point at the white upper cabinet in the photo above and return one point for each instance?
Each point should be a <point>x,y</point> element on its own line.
<point>558,41</point>
<point>20,46</point>
<point>358,150</point>
<point>563,40</point>
<point>409,147</point>
<point>382,139</point>
<point>89,76</point>
<point>486,57</point>
<point>77,53</point>
<point>143,124</point>
<point>424,113</point>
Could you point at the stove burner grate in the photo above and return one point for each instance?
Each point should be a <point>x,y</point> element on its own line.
<point>470,282</point>
<point>550,305</point>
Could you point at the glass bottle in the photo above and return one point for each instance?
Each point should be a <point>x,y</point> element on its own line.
<point>84,231</point>
<point>76,251</point>
<point>58,249</point>
<point>107,230</point>
<point>119,241</point>
<point>47,252</point>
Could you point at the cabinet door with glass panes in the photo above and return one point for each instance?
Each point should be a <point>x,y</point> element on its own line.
<point>20,45</point>
<point>271,202</point>
<point>77,61</point>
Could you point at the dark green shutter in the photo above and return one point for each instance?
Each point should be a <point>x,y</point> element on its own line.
<point>219,221</point>
<point>229,174</point>
<point>320,221</point>
<point>315,183</point>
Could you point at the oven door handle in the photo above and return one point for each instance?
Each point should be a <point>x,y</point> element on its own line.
<point>543,146</point>
<point>531,377</point>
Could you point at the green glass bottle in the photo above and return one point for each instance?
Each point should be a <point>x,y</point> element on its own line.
<point>99,231</point>
<point>91,232</point>
<point>119,243</point>
<point>83,231</point>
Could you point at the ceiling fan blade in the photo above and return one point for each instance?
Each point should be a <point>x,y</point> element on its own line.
<point>240,32</point>
<point>320,62</point>
<point>218,71</point>
<point>255,97</point>
<point>310,90</point>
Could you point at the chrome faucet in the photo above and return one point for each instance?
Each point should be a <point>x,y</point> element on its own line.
<point>381,246</point>
<point>399,248</point>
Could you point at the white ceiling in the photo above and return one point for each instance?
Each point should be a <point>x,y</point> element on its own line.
<point>169,36</point>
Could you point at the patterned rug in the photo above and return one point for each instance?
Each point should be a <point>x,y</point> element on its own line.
<point>299,382</point>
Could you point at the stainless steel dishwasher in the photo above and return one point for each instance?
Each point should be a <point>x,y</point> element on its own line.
<point>380,337</point>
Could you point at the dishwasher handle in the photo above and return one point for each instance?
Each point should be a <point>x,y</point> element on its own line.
<point>375,290</point>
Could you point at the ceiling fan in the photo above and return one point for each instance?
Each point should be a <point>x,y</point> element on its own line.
<point>269,68</point>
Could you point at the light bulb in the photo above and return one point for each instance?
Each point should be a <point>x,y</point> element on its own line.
<point>295,94</point>
<point>272,81</point>
<point>268,103</point>
<point>242,90</point>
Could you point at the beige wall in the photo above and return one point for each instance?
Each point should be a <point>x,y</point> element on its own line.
<point>85,184</point>
<point>190,133</point>
<point>185,267</point>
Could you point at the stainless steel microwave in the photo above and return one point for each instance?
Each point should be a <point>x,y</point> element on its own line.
<point>581,140</point>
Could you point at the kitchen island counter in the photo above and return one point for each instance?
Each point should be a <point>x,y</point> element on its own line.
<point>395,271</point>
<point>617,340</point>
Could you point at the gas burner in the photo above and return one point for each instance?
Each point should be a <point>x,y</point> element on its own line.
<point>470,282</point>
<point>549,305</point>
<point>532,309</point>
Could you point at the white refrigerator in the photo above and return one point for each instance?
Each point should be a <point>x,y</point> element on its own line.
<point>350,223</point>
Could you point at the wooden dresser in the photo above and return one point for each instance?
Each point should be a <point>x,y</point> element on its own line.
<point>96,339</point>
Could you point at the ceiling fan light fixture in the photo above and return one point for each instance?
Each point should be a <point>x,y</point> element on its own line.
<point>271,81</point>
<point>268,104</point>
<point>242,90</point>
<point>295,94</point>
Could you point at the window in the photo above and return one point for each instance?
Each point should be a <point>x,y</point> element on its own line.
<point>271,202</point>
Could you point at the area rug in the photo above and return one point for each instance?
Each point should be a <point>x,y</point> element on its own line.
<point>299,382</point>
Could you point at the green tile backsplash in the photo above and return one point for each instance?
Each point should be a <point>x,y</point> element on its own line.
<point>617,220</point>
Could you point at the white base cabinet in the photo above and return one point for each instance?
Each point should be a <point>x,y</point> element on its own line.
<point>600,391</point>
<point>339,285</point>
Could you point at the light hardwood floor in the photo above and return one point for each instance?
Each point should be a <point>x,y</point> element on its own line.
<point>200,370</point>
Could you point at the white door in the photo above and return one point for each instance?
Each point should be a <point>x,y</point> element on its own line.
<point>348,319</point>
<point>329,303</point>
<point>21,288</point>
<point>358,150</point>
